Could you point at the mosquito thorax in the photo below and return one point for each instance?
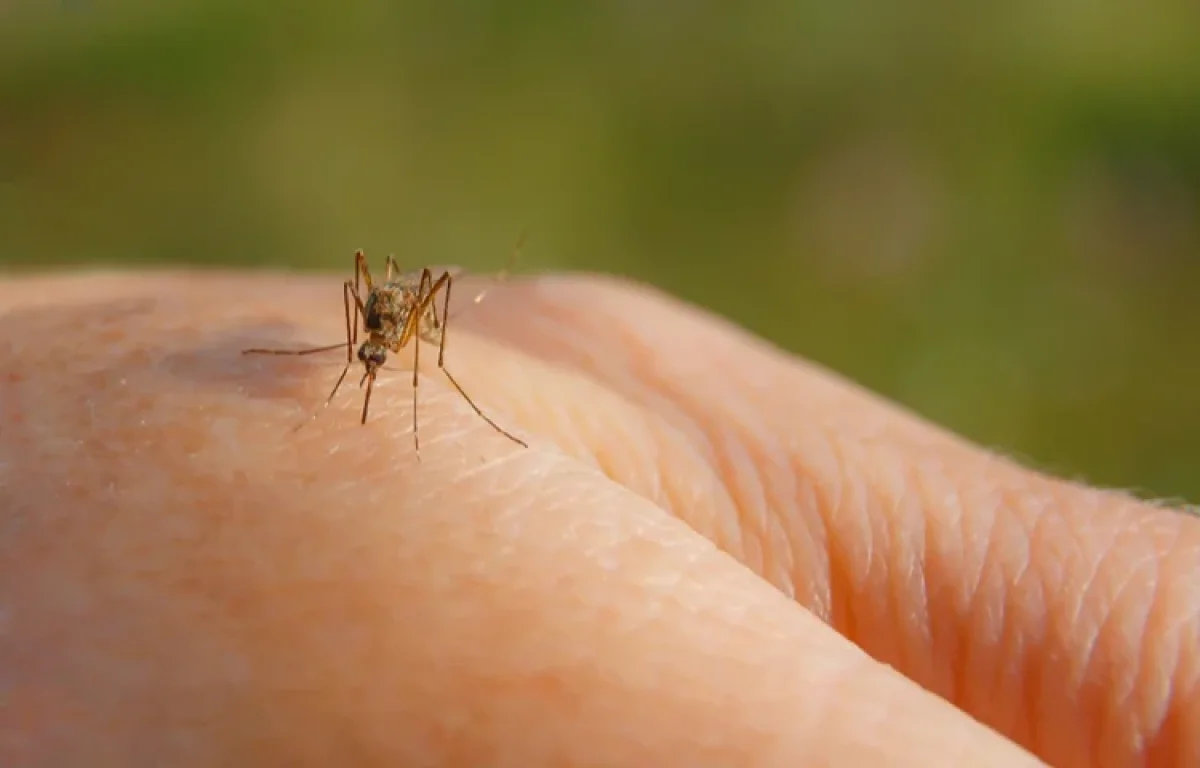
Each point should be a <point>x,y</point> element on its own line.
<point>373,313</point>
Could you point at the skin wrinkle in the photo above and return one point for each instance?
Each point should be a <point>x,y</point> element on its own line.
<point>1058,694</point>
<point>736,466</point>
<point>876,592</point>
<point>1127,610</point>
<point>758,495</point>
<point>1091,669</point>
<point>953,544</point>
<point>809,540</point>
<point>723,528</point>
<point>557,326</point>
<point>1153,689</point>
<point>1025,671</point>
<point>904,572</point>
<point>748,454</point>
<point>1117,719</point>
<point>610,463</point>
<point>672,496</point>
<point>1179,631</point>
<point>916,577</point>
<point>782,545</point>
<point>979,604</point>
<point>1184,627</point>
<point>1009,560</point>
<point>810,546</point>
<point>635,344</point>
<point>733,466</point>
<point>752,492</point>
<point>1090,613</point>
<point>725,524</point>
<point>760,491</point>
<point>661,394</point>
<point>844,582</point>
<point>1180,736</point>
<point>673,491</point>
<point>1103,587</point>
<point>630,346</point>
<point>888,575</point>
<point>1042,520</point>
<point>917,437</point>
<point>893,576</point>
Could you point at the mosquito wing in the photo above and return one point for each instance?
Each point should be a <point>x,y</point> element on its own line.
<point>481,283</point>
<point>466,294</point>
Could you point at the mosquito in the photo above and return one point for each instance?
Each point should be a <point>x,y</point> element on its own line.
<point>402,309</point>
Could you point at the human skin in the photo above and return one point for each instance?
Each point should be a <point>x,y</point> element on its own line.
<point>711,554</point>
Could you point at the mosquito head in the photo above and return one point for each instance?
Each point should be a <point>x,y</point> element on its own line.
<point>373,356</point>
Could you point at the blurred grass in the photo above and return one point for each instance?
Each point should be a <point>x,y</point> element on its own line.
<point>991,214</point>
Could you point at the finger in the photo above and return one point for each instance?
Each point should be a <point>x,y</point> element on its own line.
<point>1066,617</point>
<point>183,584</point>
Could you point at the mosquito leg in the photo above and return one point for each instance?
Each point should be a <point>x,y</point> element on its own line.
<point>336,386</point>
<point>347,294</point>
<point>424,302</point>
<point>425,288</point>
<point>361,269</point>
<point>415,387</point>
<point>446,280</point>
<point>350,338</point>
<point>479,412</point>
<point>359,309</point>
<point>446,314</point>
<point>350,327</point>
<point>393,269</point>
<point>306,351</point>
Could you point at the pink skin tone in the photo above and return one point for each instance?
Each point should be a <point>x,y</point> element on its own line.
<point>711,554</point>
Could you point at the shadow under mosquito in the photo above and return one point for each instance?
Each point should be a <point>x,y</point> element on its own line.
<point>111,343</point>
<point>146,338</point>
<point>220,364</point>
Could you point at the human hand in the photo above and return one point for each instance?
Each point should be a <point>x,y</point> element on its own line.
<point>681,569</point>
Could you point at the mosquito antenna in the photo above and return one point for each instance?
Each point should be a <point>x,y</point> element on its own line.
<point>503,274</point>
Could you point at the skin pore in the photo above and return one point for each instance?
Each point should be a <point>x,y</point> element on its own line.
<point>712,553</point>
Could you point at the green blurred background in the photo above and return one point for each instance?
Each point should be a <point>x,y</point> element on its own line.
<point>989,213</point>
